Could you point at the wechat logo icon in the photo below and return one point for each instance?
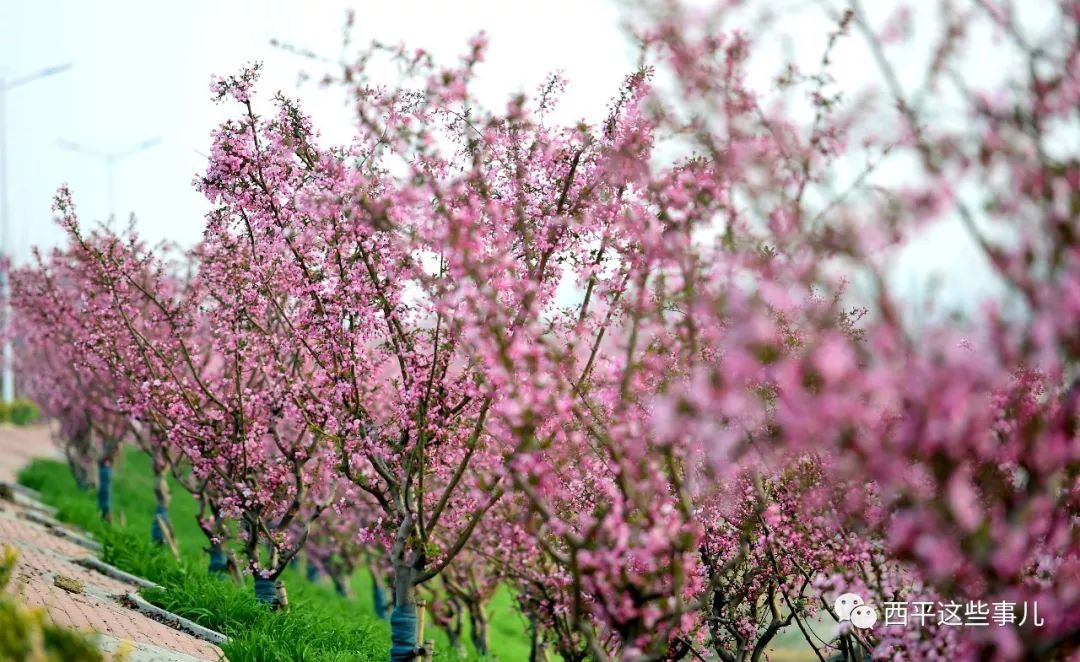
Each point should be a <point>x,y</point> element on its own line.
<point>852,608</point>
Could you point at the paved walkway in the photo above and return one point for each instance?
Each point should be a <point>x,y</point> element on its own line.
<point>20,445</point>
<point>44,556</point>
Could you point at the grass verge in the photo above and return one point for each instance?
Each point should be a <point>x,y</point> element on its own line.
<point>319,625</point>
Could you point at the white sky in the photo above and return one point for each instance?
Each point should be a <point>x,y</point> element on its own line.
<point>141,70</point>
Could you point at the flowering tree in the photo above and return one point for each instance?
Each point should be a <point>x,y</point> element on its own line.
<point>41,360</point>
<point>215,400</point>
<point>51,303</point>
<point>956,434</point>
<point>391,387</point>
<point>339,544</point>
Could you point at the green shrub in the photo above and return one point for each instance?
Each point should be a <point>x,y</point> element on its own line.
<point>20,411</point>
<point>27,635</point>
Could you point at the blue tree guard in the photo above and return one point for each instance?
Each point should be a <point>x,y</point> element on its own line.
<point>219,560</point>
<point>265,590</point>
<point>403,633</point>
<point>380,598</point>
<point>157,534</point>
<point>104,497</point>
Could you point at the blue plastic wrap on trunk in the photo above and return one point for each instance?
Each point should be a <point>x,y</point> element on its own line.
<point>403,634</point>
<point>157,534</point>
<point>104,497</point>
<point>379,596</point>
<point>265,591</point>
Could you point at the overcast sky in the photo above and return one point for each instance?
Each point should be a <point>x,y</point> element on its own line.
<point>141,70</point>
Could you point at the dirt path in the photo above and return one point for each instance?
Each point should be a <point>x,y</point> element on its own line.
<point>44,556</point>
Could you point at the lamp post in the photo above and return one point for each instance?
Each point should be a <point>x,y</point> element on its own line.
<point>5,250</point>
<point>110,159</point>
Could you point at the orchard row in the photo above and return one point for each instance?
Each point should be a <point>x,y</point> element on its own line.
<point>649,372</point>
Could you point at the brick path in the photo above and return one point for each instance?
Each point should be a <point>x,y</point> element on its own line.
<point>43,556</point>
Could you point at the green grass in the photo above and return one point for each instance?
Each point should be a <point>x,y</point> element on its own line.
<point>319,625</point>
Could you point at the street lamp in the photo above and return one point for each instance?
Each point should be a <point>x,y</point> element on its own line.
<point>5,252</point>
<point>110,159</point>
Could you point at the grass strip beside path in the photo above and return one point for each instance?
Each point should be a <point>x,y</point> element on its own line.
<point>320,626</point>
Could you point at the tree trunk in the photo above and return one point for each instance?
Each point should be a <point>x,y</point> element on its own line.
<point>479,621</point>
<point>80,453</point>
<point>537,646</point>
<point>233,568</point>
<point>341,581</point>
<point>81,469</point>
<point>403,640</point>
<point>454,628</point>
<point>161,530</point>
<point>222,560</point>
<point>378,594</point>
<point>453,633</point>
<point>223,563</point>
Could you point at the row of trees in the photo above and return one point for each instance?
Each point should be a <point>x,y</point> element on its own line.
<point>649,372</point>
